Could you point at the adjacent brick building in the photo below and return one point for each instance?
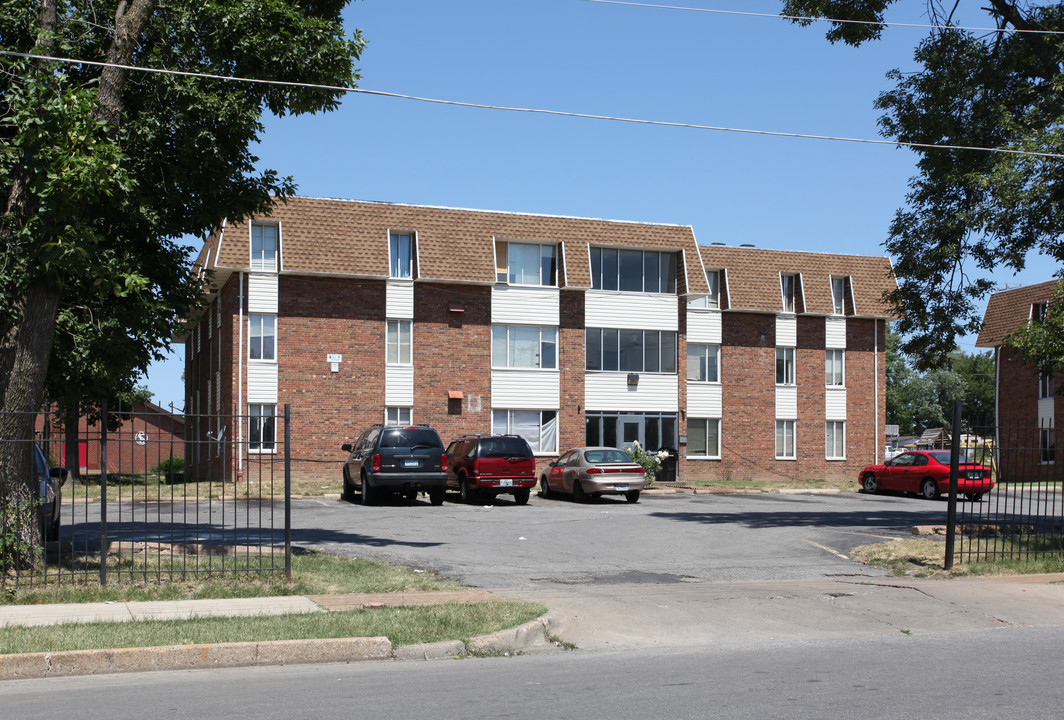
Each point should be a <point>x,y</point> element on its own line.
<point>569,331</point>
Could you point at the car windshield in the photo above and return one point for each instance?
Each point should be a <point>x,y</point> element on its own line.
<point>504,447</point>
<point>410,437</point>
<point>596,457</point>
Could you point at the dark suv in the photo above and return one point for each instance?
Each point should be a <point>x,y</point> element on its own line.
<point>396,459</point>
<point>491,465</point>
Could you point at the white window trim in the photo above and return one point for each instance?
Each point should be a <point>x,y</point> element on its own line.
<point>388,342</point>
<point>827,450</point>
<point>791,376</point>
<point>705,345</point>
<point>509,424</point>
<point>720,441</point>
<point>509,347</point>
<point>399,409</point>
<point>252,419</point>
<point>251,336</point>
<point>413,253</point>
<point>794,439</point>
<point>277,253</point>
<point>842,354</point>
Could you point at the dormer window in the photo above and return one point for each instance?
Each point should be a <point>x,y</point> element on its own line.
<point>526,263</point>
<point>788,287</point>
<point>1038,312</point>
<point>642,271</point>
<point>264,247</point>
<point>838,295</point>
<point>401,254</point>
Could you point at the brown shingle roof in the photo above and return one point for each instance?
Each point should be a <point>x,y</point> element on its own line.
<point>347,237</point>
<point>1010,310</point>
<point>752,276</point>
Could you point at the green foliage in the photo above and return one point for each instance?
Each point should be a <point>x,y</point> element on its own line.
<point>169,467</point>
<point>969,214</point>
<point>650,462</point>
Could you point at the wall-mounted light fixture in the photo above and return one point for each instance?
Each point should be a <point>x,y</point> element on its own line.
<point>633,378</point>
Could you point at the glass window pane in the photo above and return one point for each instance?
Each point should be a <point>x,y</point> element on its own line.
<point>549,351</point>
<point>631,345</point>
<point>652,351</point>
<point>631,270</point>
<point>696,363</point>
<point>523,264</point>
<point>668,351</point>
<point>609,269</point>
<point>668,273</point>
<point>609,431</point>
<point>652,433</point>
<point>524,340</point>
<point>499,424</point>
<point>593,349</point>
<point>713,438</point>
<point>548,433</point>
<point>499,345</point>
<point>712,363</point>
<point>668,433</point>
<point>596,268</point>
<point>714,289</point>
<point>592,427</point>
<point>548,266</point>
<point>696,437</point>
<point>651,273</point>
<point>526,424</point>
<point>609,349</point>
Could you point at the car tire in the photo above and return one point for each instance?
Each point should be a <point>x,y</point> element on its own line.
<point>974,497</point>
<point>578,493</point>
<point>410,495</point>
<point>348,493</point>
<point>929,489</point>
<point>870,483</point>
<point>521,496</point>
<point>465,493</point>
<point>436,496</point>
<point>368,496</point>
<point>544,487</point>
<point>632,496</point>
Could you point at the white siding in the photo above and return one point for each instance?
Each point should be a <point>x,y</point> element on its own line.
<point>786,402</point>
<point>631,311</point>
<point>399,299</point>
<point>262,382</point>
<point>1045,412</point>
<point>704,400</point>
<point>703,326</point>
<point>610,391</point>
<point>399,385</point>
<point>786,330</point>
<point>835,333</point>
<point>835,403</point>
<point>525,389</point>
<point>262,293</point>
<point>525,305</point>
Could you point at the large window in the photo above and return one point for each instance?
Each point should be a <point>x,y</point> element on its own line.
<point>1045,385</point>
<point>835,440</point>
<point>524,346</point>
<point>703,363</point>
<point>785,440</point>
<point>838,295</point>
<point>651,430</point>
<point>713,299</point>
<point>398,352</point>
<point>633,270</point>
<point>788,287</point>
<point>703,438</point>
<point>263,247</point>
<point>834,368</point>
<point>262,336</point>
<point>397,416</point>
<point>785,366</point>
<point>401,254</point>
<point>526,263</point>
<point>652,351</point>
<point>538,427</point>
<point>262,430</point>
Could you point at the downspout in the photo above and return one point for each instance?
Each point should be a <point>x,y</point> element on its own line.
<point>875,361</point>
<point>240,383</point>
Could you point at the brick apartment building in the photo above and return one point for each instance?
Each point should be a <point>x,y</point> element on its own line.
<point>569,331</point>
<point>1027,412</point>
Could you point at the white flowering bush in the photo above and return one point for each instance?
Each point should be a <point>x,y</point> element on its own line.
<point>649,461</point>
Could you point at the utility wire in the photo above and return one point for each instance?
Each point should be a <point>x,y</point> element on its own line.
<point>810,18</point>
<point>539,111</point>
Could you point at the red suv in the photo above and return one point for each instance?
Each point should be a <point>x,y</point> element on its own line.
<point>490,465</point>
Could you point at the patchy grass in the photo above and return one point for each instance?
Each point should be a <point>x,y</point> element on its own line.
<point>926,556</point>
<point>733,483</point>
<point>401,625</point>
<point>155,488</point>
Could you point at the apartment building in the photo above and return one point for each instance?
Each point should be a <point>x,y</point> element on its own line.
<point>568,331</point>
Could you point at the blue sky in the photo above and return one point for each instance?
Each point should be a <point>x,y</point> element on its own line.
<point>648,63</point>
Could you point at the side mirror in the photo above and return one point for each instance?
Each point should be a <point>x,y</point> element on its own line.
<point>346,447</point>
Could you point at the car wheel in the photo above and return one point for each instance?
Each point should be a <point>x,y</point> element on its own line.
<point>436,496</point>
<point>974,497</point>
<point>410,495</point>
<point>368,496</point>
<point>349,489</point>
<point>870,483</point>
<point>521,496</point>
<point>464,491</point>
<point>929,489</point>
<point>578,493</point>
<point>544,487</point>
<point>632,496</point>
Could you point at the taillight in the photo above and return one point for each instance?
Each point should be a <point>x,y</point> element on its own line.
<point>594,471</point>
<point>476,467</point>
<point>443,461</point>
<point>375,463</point>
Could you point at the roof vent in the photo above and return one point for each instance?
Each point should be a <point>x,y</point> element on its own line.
<point>747,245</point>
<point>718,243</point>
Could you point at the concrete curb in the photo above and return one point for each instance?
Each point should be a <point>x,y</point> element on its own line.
<point>277,652</point>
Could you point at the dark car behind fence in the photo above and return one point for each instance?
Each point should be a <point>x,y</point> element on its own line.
<point>1023,516</point>
<point>159,505</point>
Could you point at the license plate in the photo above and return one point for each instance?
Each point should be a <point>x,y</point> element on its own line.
<point>621,488</point>
<point>506,483</point>
<point>412,463</point>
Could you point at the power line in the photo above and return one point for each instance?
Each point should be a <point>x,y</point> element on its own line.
<point>811,18</point>
<point>539,111</point>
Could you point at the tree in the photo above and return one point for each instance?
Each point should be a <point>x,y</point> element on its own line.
<point>104,168</point>
<point>969,212</point>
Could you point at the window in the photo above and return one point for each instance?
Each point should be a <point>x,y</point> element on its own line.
<point>652,431</point>
<point>526,263</point>
<point>703,437</point>
<point>787,287</point>
<point>633,270</point>
<point>538,427</point>
<point>785,366</point>
<point>835,440</point>
<point>834,368</point>
<point>838,295</point>
<point>262,344</point>
<point>401,254</point>
<point>262,431</point>
<point>713,299</point>
<point>1038,312</point>
<point>263,247</point>
<point>398,352</point>
<point>630,350</point>
<point>703,363</point>
<point>524,346</point>
<point>785,440</point>
<point>397,416</point>
<point>1045,385</point>
<point>1047,452</point>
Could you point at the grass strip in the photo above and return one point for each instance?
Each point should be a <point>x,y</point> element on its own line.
<point>401,625</point>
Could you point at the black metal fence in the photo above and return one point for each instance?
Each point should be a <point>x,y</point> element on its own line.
<point>1023,516</point>
<point>154,496</point>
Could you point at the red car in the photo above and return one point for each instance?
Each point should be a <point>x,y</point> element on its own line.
<point>927,472</point>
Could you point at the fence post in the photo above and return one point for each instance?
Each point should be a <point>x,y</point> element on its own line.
<point>103,492</point>
<point>287,492</point>
<point>954,460</point>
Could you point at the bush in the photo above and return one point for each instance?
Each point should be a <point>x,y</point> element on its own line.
<point>173,469</point>
<point>650,462</point>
